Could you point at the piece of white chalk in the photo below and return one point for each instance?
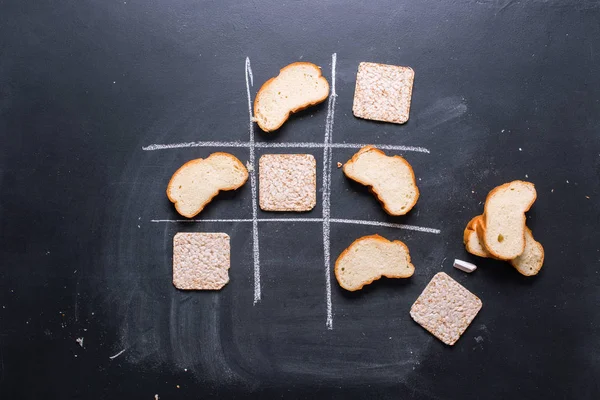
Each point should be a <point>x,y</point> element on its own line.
<point>464,266</point>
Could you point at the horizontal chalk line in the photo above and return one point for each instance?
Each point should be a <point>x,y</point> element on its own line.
<point>386,224</point>
<point>306,145</point>
<point>335,220</point>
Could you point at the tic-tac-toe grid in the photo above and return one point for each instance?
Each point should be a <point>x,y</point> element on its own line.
<point>327,145</point>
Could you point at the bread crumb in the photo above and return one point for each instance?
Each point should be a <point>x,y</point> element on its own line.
<point>339,164</point>
<point>587,197</point>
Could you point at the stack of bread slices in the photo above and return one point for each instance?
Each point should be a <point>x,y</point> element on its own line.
<point>501,232</point>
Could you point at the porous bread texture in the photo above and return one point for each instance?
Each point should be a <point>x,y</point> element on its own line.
<point>528,264</point>
<point>391,178</point>
<point>201,261</point>
<point>369,258</point>
<point>504,219</point>
<point>531,261</point>
<point>383,92</point>
<point>196,182</point>
<point>287,182</point>
<point>298,86</point>
<point>445,308</point>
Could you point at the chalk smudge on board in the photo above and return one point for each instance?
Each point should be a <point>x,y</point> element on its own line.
<point>441,112</point>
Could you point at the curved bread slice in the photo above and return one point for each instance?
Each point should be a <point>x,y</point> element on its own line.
<point>196,182</point>
<point>529,263</point>
<point>298,86</point>
<point>369,258</point>
<point>504,218</point>
<point>472,240</point>
<point>391,179</point>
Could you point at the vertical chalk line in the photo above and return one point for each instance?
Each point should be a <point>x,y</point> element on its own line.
<point>327,157</point>
<point>255,247</point>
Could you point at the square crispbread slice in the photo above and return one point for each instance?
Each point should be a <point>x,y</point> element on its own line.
<point>383,92</point>
<point>201,261</point>
<point>445,308</point>
<point>287,182</point>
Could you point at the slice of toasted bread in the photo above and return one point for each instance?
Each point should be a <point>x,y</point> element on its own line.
<point>391,178</point>
<point>528,263</point>
<point>503,221</point>
<point>287,182</point>
<point>298,86</point>
<point>531,261</point>
<point>369,258</point>
<point>445,308</point>
<point>201,260</point>
<point>196,182</point>
<point>383,92</point>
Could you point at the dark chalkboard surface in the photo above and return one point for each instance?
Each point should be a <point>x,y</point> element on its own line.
<point>503,90</point>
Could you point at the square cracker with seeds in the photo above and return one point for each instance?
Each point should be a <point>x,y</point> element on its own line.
<point>287,182</point>
<point>445,308</point>
<point>201,261</point>
<point>383,92</point>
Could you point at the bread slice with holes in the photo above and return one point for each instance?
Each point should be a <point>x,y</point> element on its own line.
<point>369,258</point>
<point>529,263</point>
<point>298,86</point>
<point>390,178</point>
<point>503,223</point>
<point>196,182</point>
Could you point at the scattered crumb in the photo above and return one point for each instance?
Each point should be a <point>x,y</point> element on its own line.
<point>177,386</point>
<point>80,341</point>
<point>526,176</point>
<point>472,191</point>
<point>155,397</point>
<point>339,164</point>
<point>552,191</point>
<point>185,369</point>
<point>587,197</point>
<point>520,149</point>
<point>567,181</point>
<point>502,131</point>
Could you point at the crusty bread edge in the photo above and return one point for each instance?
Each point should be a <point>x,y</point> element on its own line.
<point>540,265</point>
<point>295,110</point>
<point>524,218</point>
<point>412,172</point>
<point>196,161</point>
<point>376,237</point>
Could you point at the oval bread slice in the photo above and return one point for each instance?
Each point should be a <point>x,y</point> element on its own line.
<point>529,263</point>
<point>196,182</point>
<point>504,219</point>
<point>298,86</point>
<point>369,258</point>
<point>391,178</point>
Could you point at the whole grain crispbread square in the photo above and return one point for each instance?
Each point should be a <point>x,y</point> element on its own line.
<point>201,260</point>
<point>287,182</point>
<point>383,92</point>
<point>445,308</point>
